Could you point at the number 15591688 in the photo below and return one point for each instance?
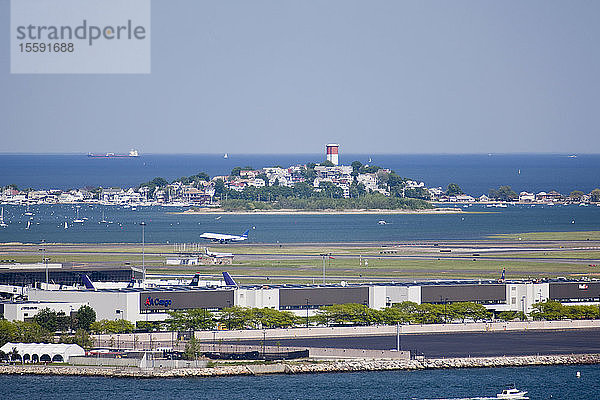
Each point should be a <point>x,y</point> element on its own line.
<point>47,47</point>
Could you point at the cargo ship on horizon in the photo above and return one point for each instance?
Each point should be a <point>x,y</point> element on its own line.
<point>132,153</point>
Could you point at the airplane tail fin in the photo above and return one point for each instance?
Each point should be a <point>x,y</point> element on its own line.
<point>195,280</point>
<point>87,282</point>
<point>503,272</point>
<point>228,279</point>
<point>245,234</point>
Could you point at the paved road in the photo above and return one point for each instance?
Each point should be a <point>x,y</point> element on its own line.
<point>464,344</point>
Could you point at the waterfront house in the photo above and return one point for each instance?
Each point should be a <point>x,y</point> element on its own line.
<point>526,197</point>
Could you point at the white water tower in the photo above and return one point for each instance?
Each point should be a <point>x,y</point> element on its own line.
<point>332,153</point>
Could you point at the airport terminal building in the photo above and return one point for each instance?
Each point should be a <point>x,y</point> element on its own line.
<point>134,304</point>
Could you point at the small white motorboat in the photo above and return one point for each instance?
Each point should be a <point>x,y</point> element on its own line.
<point>382,222</point>
<point>512,393</point>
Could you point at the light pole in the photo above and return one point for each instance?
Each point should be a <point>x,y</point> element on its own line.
<point>398,336</point>
<point>229,315</point>
<point>143,224</point>
<point>324,257</point>
<point>445,314</point>
<point>43,251</point>
<point>307,313</point>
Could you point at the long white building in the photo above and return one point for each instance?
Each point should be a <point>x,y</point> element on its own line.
<point>153,304</point>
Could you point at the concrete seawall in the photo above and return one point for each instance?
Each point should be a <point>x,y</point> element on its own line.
<point>306,367</point>
<point>391,329</point>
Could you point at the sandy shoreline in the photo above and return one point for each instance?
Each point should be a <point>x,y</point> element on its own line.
<point>320,212</point>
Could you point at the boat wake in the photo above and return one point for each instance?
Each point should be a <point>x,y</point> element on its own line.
<point>460,398</point>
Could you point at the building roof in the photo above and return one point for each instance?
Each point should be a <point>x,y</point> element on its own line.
<point>51,349</point>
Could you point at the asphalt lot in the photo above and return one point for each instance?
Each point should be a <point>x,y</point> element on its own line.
<point>487,344</point>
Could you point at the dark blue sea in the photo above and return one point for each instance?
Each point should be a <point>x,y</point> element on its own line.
<point>558,383</point>
<point>165,225</point>
<point>476,173</point>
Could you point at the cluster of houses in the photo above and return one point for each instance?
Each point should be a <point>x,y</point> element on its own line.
<point>201,192</point>
<point>338,175</point>
<point>524,197</point>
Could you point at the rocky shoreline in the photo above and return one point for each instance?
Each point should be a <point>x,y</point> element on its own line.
<point>305,367</point>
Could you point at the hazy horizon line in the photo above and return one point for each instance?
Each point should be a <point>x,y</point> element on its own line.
<point>312,153</point>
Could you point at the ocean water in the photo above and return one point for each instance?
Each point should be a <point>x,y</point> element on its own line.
<point>476,173</point>
<point>165,225</point>
<point>557,382</point>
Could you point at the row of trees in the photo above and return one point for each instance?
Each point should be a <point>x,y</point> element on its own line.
<point>405,312</point>
<point>32,332</point>
<point>53,321</point>
<point>49,326</point>
<point>359,314</point>
<point>368,201</point>
<point>46,324</point>
<point>554,310</point>
<point>231,318</point>
<point>339,314</point>
<point>112,326</point>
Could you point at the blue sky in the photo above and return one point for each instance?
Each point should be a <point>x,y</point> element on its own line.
<point>289,76</point>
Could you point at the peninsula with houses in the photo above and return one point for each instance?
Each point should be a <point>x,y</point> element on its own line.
<point>313,186</point>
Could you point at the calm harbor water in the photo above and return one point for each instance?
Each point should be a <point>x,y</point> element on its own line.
<point>165,225</point>
<point>475,173</point>
<point>541,382</point>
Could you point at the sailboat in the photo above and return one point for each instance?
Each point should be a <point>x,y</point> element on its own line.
<point>66,225</point>
<point>28,225</point>
<point>104,221</point>
<point>2,223</point>
<point>225,156</point>
<point>78,220</point>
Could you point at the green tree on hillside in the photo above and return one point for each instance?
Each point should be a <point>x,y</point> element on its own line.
<point>453,189</point>
<point>576,195</point>
<point>503,193</point>
<point>356,165</point>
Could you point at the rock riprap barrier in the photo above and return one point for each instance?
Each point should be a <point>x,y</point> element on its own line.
<point>305,367</point>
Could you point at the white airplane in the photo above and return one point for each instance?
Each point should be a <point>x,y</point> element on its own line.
<point>215,254</point>
<point>224,238</point>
